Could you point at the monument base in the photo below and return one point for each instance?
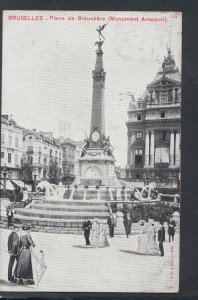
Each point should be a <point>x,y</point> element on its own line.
<point>97,168</point>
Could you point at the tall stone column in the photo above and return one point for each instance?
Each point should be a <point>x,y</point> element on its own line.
<point>146,163</point>
<point>177,149</point>
<point>152,148</point>
<point>129,149</point>
<point>172,146</point>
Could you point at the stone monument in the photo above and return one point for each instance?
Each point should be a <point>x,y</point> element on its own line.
<point>96,165</point>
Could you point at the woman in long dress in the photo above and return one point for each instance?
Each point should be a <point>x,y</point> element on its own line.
<point>94,238</point>
<point>103,242</point>
<point>143,238</point>
<point>23,273</point>
<point>152,245</point>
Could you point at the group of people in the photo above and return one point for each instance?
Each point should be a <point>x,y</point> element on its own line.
<point>20,249</point>
<point>95,233</point>
<point>147,239</point>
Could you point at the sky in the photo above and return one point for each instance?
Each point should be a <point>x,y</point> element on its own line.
<point>47,67</point>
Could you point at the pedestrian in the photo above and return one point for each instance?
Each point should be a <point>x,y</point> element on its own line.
<point>171,229</point>
<point>13,250</point>
<point>127,224</point>
<point>86,227</point>
<point>111,222</point>
<point>161,238</point>
<point>9,216</point>
<point>152,245</point>
<point>23,273</point>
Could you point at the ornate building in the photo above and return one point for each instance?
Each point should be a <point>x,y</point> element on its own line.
<point>154,128</point>
<point>41,149</point>
<point>68,147</point>
<point>11,145</point>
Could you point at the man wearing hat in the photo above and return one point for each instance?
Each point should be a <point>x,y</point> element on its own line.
<point>171,229</point>
<point>86,227</point>
<point>9,216</point>
<point>13,250</point>
<point>161,238</point>
<point>127,224</point>
<point>111,222</point>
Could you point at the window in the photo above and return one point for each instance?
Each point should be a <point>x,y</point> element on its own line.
<point>39,160</point>
<point>2,154</point>
<point>30,148</point>
<point>138,158</point>
<point>30,159</point>
<point>163,135</point>
<point>162,115</point>
<point>10,140</point>
<point>39,149</point>
<point>9,157</point>
<point>139,117</point>
<point>3,138</point>
<point>139,135</point>
<point>17,142</point>
<point>139,105</point>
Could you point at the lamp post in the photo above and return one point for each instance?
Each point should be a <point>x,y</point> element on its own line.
<point>34,179</point>
<point>4,172</point>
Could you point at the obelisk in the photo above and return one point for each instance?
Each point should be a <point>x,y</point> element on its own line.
<point>97,129</point>
<point>96,164</point>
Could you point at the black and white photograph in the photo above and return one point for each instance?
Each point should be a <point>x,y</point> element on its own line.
<point>90,176</point>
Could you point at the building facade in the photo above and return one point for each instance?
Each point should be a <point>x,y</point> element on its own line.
<point>68,148</point>
<point>11,146</point>
<point>154,130</point>
<point>41,149</point>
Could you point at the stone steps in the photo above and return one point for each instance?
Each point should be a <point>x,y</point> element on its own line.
<point>69,208</point>
<point>59,214</point>
<point>75,202</point>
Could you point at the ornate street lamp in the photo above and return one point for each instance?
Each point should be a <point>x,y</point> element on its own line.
<point>34,178</point>
<point>4,172</point>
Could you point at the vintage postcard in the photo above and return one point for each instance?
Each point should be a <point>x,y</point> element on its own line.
<point>90,151</point>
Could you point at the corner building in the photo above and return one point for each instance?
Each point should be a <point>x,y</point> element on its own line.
<point>154,126</point>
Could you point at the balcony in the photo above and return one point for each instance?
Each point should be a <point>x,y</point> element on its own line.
<point>29,152</point>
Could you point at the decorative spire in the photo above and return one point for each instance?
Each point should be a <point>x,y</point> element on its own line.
<point>169,62</point>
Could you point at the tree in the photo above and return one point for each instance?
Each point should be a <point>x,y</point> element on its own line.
<point>162,175</point>
<point>54,173</point>
<point>26,170</point>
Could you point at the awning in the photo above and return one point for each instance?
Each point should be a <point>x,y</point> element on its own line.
<point>9,185</point>
<point>18,182</point>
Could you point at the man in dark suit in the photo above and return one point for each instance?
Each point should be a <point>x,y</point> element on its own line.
<point>86,227</point>
<point>161,238</point>
<point>9,216</point>
<point>13,249</point>
<point>127,224</point>
<point>171,229</point>
<point>111,222</point>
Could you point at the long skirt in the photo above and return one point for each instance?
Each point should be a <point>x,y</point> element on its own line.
<point>143,244</point>
<point>23,273</point>
<point>153,247</point>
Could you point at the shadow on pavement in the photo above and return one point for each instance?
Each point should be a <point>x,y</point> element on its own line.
<point>5,283</point>
<point>135,252</point>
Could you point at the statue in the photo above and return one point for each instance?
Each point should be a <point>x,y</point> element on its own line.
<point>107,147</point>
<point>84,150</point>
<point>100,28</point>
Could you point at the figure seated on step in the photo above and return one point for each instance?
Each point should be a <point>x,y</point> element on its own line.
<point>84,150</point>
<point>107,147</point>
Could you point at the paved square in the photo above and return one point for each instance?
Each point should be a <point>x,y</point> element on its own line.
<point>118,268</point>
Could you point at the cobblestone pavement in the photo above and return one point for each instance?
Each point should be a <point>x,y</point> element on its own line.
<point>118,268</point>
